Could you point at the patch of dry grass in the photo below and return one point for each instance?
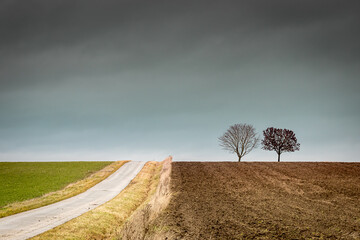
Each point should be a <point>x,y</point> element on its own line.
<point>105,221</point>
<point>67,192</point>
<point>140,224</point>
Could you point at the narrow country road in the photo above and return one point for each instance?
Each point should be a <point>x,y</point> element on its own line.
<point>31,223</point>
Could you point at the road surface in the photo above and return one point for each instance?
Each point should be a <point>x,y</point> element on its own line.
<point>31,223</point>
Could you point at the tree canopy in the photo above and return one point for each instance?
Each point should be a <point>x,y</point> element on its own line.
<point>239,139</point>
<point>279,140</point>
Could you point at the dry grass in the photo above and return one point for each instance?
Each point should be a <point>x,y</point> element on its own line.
<point>106,221</point>
<point>139,225</point>
<point>67,192</point>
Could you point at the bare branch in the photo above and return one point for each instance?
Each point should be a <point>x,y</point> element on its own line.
<point>240,139</point>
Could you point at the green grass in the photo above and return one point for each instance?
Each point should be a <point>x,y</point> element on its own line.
<point>20,181</point>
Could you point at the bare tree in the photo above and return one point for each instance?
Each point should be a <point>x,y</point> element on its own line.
<point>240,139</point>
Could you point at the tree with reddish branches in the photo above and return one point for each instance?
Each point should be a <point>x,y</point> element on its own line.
<point>279,140</point>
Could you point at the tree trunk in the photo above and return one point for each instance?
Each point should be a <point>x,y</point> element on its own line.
<point>278,157</point>
<point>238,154</point>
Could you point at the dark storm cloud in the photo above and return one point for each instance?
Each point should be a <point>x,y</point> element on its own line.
<point>87,74</point>
<point>32,26</point>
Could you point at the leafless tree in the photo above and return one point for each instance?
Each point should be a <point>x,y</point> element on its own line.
<point>240,139</point>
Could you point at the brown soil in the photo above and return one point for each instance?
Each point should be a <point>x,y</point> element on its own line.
<point>226,200</point>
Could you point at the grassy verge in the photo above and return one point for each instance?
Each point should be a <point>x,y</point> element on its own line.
<point>25,186</point>
<point>141,224</point>
<point>105,222</point>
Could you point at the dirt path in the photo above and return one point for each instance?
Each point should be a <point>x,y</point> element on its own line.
<point>31,223</point>
<point>264,201</point>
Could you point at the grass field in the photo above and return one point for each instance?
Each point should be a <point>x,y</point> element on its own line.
<point>26,180</point>
<point>224,200</point>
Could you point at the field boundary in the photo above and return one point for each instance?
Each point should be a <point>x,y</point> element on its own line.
<point>137,226</point>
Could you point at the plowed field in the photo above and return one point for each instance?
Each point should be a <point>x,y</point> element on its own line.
<point>225,200</point>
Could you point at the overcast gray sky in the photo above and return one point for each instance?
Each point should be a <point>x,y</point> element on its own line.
<point>111,80</point>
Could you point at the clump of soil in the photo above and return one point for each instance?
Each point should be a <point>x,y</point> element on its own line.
<point>225,200</point>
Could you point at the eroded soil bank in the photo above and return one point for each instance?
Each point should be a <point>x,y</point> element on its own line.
<point>139,225</point>
<point>226,200</point>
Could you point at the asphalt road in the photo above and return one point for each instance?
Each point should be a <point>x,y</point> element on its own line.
<point>31,223</point>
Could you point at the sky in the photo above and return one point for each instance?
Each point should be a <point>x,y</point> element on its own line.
<point>141,80</point>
